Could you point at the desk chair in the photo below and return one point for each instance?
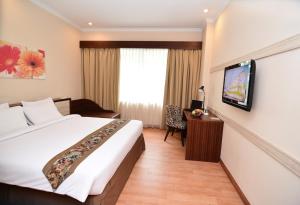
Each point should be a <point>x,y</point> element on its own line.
<point>174,121</point>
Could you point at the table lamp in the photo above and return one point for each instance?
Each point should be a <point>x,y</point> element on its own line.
<point>201,90</point>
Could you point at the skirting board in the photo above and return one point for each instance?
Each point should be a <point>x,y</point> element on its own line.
<point>283,158</point>
<point>274,49</point>
<point>236,186</point>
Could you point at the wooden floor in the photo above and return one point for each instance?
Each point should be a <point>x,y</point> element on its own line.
<point>162,176</point>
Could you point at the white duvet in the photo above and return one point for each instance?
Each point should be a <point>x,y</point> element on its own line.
<point>23,155</point>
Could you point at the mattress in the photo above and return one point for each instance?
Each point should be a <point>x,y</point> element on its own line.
<point>25,153</point>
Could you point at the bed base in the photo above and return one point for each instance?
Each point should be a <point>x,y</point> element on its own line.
<point>15,195</point>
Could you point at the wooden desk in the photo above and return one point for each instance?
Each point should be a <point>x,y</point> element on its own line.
<point>204,137</point>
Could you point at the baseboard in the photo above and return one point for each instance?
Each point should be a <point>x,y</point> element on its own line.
<point>236,186</point>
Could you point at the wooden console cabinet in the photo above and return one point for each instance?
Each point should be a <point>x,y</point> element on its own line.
<point>204,137</point>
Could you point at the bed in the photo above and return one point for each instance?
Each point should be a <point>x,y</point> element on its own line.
<point>99,179</point>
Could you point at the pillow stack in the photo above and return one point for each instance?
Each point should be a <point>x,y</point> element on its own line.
<point>11,119</point>
<point>32,113</point>
<point>41,111</point>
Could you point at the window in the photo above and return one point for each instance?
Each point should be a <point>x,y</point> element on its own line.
<point>142,81</point>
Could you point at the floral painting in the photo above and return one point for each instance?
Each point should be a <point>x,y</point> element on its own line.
<point>21,62</point>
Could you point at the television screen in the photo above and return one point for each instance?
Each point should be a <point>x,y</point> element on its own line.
<point>238,84</point>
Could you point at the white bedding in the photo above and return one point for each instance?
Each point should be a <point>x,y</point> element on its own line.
<point>23,155</point>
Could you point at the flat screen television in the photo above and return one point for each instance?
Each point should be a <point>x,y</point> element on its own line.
<point>238,84</point>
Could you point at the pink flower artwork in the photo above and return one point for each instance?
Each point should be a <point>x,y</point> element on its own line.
<point>8,58</point>
<point>20,62</point>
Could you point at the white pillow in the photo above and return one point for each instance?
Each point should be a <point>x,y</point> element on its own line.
<point>4,106</point>
<point>11,120</point>
<point>38,102</point>
<point>41,111</point>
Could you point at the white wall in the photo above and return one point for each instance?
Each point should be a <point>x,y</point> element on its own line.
<point>247,25</point>
<point>140,35</point>
<point>23,23</point>
<point>243,27</point>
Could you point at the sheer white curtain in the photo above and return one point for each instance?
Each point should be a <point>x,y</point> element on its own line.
<point>142,81</point>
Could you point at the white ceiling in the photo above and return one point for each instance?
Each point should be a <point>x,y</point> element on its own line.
<point>135,14</point>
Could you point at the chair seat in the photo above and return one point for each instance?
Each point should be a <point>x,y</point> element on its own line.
<point>179,125</point>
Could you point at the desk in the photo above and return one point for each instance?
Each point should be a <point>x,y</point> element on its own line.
<point>204,137</point>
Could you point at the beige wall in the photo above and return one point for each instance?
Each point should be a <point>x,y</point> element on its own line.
<point>244,27</point>
<point>140,35</point>
<point>206,59</point>
<point>25,24</point>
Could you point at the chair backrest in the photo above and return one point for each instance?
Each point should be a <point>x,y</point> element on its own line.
<point>173,114</point>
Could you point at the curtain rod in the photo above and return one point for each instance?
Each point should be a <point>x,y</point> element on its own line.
<point>190,45</point>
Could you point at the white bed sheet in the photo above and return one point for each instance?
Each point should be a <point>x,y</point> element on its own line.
<point>24,154</point>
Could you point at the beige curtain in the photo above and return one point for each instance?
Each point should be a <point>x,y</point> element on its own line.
<point>101,76</point>
<point>182,78</point>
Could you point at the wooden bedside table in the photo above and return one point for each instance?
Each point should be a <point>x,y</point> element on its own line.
<point>204,137</point>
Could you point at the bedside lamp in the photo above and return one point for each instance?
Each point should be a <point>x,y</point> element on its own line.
<point>201,90</point>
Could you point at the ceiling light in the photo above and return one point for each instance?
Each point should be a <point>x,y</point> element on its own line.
<point>205,10</point>
<point>90,23</point>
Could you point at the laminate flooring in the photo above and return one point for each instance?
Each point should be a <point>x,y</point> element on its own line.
<point>162,176</point>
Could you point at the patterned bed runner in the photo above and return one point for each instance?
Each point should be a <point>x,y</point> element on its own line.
<point>63,165</point>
